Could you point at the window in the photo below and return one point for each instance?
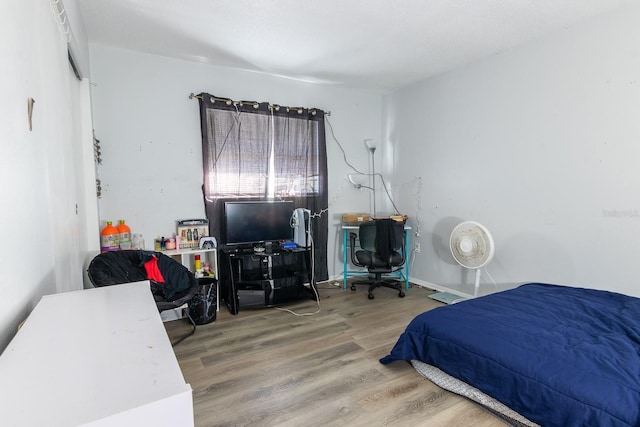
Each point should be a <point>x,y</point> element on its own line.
<point>261,154</point>
<point>262,151</point>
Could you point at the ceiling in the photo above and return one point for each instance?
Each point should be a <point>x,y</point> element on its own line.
<point>377,45</point>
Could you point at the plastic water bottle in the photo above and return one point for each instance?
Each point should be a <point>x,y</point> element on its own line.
<point>124,235</point>
<point>137,242</point>
<point>109,238</point>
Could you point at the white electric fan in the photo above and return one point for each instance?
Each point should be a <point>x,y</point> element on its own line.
<point>472,247</point>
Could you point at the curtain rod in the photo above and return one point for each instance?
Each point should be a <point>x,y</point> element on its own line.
<point>253,103</point>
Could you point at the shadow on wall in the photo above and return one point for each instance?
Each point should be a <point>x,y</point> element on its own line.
<point>524,257</point>
<point>440,239</point>
<point>18,314</point>
<point>537,257</point>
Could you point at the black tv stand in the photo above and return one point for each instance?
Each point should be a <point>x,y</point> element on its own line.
<point>251,278</point>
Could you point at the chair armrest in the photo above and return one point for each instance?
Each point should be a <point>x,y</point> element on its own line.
<point>352,247</point>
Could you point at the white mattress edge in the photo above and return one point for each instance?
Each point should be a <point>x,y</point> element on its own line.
<point>457,386</point>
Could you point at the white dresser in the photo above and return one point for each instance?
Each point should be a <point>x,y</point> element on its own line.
<point>98,357</point>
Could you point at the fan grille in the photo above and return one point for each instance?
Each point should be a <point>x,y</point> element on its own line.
<point>471,245</point>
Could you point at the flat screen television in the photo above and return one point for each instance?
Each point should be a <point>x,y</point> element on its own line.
<point>257,222</point>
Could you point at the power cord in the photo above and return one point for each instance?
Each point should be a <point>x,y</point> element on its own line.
<point>495,285</point>
<point>344,154</point>
<point>311,285</point>
<point>358,172</point>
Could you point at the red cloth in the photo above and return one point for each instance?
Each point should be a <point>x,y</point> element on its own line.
<point>153,272</point>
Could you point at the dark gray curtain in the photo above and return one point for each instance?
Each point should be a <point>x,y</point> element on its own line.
<point>257,151</point>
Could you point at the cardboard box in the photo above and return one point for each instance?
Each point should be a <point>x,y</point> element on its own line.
<point>190,231</point>
<point>399,218</point>
<point>355,218</point>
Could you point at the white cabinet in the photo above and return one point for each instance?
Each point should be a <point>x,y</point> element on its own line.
<point>97,357</point>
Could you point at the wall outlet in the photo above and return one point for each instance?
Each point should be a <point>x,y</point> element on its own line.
<point>416,248</point>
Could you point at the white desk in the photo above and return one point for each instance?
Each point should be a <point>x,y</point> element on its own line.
<point>98,357</point>
<point>402,274</point>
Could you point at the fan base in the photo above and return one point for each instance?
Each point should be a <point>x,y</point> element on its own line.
<point>446,297</point>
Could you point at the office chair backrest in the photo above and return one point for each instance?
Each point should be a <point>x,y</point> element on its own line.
<point>382,236</point>
<point>367,236</point>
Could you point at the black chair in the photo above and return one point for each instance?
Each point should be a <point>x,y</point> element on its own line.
<point>381,251</point>
<point>179,287</point>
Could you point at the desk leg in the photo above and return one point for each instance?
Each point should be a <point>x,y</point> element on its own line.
<point>406,261</point>
<point>344,258</point>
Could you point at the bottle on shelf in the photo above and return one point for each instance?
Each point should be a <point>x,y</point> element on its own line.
<point>124,235</point>
<point>109,238</point>
<point>137,242</point>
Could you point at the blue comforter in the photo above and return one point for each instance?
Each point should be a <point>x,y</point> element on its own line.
<point>560,356</point>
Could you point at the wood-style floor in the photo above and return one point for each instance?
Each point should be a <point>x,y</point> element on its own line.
<point>266,367</point>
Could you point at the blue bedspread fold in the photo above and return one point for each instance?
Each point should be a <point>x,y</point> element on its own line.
<point>558,355</point>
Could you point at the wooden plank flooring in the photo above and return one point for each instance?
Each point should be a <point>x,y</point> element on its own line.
<point>266,367</point>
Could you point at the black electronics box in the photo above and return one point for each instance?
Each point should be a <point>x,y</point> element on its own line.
<point>255,294</point>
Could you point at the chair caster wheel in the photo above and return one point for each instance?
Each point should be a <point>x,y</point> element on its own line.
<point>401,294</point>
<point>353,288</point>
<point>370,296</point>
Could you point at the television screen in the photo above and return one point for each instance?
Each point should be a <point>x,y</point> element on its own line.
<point>258,221</point>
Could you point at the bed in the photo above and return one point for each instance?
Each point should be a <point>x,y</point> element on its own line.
<point>552,355</point>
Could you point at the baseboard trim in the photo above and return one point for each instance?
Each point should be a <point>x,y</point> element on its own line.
<point>438,288</point>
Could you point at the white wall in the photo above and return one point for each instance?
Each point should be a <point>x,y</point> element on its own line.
<point>541,144</point>
<point>44,240</point>
<point>151,145</point>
